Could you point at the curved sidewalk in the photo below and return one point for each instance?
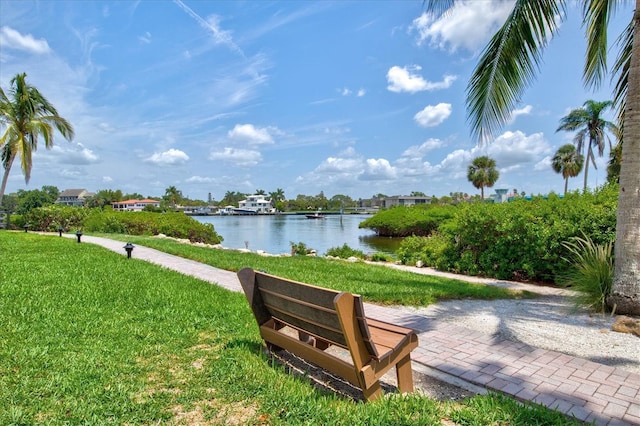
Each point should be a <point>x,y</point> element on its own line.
<point>589,391</point>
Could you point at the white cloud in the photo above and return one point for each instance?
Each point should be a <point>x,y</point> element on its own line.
<point>378,169</point>
<point>12,39</point>
<point>201,179</point>
<point>170,157</point>
<point>468,24</point>
<point>516,148</point>
<point>107,179</point>
<point>145,38</point>
<point>250,134</point>
<point>361,93</point>
<point>70,153</point>
<point>406,80</point>
<point>432,116</point>
<point>239,157</point>
<point>339,165</point>
<point>526,110</point>
<point>420,151</point>
<point>345,92</point>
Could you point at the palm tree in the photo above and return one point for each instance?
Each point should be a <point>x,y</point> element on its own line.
<point>27,115</point>
<point>482,172</point>
<point>568,162</point>
<point>589,124</point>
<point>509,64</point>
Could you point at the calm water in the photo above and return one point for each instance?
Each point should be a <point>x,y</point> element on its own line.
<point>275,233</point>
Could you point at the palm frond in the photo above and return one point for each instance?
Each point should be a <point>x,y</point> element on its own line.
<point>509,64</point>
<point>596,14</point>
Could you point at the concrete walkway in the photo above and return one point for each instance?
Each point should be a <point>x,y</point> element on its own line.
<point>589,391</point>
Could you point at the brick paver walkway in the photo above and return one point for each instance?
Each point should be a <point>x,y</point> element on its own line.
<point>589,391</point>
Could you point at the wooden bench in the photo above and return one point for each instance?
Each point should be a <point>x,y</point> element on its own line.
<point>324,317</point>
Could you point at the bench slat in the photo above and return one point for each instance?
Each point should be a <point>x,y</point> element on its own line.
<point>331,317</point>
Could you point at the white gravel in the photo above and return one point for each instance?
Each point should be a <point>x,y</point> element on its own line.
<point>549,321</point>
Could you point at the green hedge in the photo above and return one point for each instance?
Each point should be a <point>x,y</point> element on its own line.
<point>177,225</point>
<point>404,221</point>
<point>519,240</point>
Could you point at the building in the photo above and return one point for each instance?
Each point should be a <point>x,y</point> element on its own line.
<point>134,205</point>
<point>256,204</point>
<point>74,197</point>
<point>405,200</point>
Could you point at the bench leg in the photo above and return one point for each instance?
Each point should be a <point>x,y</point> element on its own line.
<point>404,375</point>
<point>373,392</point>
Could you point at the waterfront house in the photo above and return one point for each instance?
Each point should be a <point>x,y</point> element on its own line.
<point>405,200</point>
<point>74,197</point>
<point>134,205</point>
<point>256,204</point>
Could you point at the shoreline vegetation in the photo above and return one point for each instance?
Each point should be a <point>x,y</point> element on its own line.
<point>521,240</point>
<point>90,336</point>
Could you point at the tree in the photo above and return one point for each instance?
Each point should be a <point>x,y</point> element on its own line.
<point>482,172</point>
<point>172,196</point>
<point>509,64</point>
<point>27,115</point>
<point>568,162</point>
<point>615,160</point>
<point>591,129</point>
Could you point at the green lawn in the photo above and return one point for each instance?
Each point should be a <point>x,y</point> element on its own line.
<point>90,337</point>
<point>375,283</point>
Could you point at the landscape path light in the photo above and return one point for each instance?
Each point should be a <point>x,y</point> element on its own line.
<point>26,227</point>
<point>78,234</point>
<point>60,229</point>
<point>129,248</point>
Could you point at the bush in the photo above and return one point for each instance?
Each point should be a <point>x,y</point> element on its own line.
<point>50,218</point>
<point>591,272</point>
<point>431,251</point>
<point>380,257</point>
<point>176,225</point>
<point>345,252</point>
<point>299,249</point>
<point>520,240</point>
<point>401,221</point>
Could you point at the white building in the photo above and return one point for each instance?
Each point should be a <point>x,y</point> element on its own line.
<point>134,205</point>
<point>256,204</point>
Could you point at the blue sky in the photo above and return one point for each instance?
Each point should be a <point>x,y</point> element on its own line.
<point>346,97</point>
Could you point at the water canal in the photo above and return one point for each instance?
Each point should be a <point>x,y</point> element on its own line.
<point>275,233</point>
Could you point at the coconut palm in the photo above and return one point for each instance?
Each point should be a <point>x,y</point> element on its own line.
<point>509,64</point>
<point>482,172</point>
<point>27,115</point>
<point>567,161</point>
<point>591,129</point>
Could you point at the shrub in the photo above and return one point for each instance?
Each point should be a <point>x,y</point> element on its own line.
<point>299,249</point>
<point>345,252</point>
<point>591,272</point>
<point>401,221</point>
<point>176,225</point>
<point>380,257</point>
<point>50,218</point>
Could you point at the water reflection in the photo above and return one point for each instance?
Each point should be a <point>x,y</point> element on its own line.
<point>274,234</point>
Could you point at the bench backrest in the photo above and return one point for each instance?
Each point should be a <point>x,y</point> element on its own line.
<point>302,306</point>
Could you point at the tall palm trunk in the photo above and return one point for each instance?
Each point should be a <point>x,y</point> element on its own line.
<point>586,166</point>
<point>5,176</point>
<point>625,294</point>
<point>566,185</point>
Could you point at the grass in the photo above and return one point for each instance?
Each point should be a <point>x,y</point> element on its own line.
<point>591,272</point>
<point>90,337</point>
<point>375,283</point>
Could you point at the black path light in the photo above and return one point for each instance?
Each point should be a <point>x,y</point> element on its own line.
<point>26,227</point>
<point>60,229</point>
<point>129,248</point>
<point>78,234</point>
